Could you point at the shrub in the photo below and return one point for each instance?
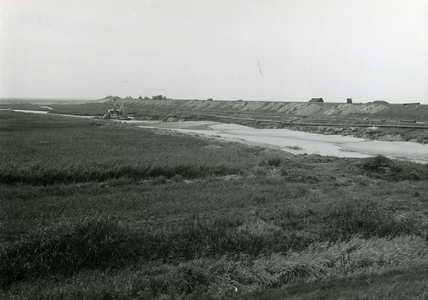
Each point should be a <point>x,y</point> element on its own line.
<point>378,163</point>
<point>259,171</point>
<point>385,168</point>
<point>274,161</point>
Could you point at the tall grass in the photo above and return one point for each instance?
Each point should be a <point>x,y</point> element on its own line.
<point>241,275</point>
<point>101,242</point>
<point>66,248</point>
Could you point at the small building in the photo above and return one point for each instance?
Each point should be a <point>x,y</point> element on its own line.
<point>316,100</point>
<point>158,97</point>
<point>349,100</point>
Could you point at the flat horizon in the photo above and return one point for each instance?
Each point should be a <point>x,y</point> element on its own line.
<point>35,100</point>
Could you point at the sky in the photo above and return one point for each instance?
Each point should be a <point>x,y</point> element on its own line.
<point>271,50</point>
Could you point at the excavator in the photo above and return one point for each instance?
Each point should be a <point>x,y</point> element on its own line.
<point>116,113</point>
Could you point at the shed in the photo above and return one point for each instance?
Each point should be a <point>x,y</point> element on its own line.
<point>316,100</point>
<point>349,100</point>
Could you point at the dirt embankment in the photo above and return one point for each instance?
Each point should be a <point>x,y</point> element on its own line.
<point>380,121</point>
<point>388,112</point>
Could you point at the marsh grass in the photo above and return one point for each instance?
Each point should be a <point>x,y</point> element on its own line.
<point>101,242</point>
<point>122,213</point>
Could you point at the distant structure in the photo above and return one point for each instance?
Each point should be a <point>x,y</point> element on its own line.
<point>349,100</point>
<point>316,100</point>
<point>210,99</point>
<point>159,97</point>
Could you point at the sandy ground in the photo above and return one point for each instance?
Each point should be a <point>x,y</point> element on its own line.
<point>302,142</point>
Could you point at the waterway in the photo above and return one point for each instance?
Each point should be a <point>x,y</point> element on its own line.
<point>44,112</point>
<point>298,142</point>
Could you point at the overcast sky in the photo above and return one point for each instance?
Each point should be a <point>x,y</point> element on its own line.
<point>290,50</point>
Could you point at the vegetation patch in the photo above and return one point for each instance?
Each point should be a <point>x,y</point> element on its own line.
<point>294,147</point>
<point>385,168</point>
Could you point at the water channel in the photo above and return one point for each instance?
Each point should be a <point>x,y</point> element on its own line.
<point>296,142</point>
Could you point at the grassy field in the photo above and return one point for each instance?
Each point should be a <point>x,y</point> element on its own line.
<point>93,209</point>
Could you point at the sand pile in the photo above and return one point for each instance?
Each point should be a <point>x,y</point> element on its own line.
<point>253,105</point>
<point>296,108</point>
<point>273,106</point>
<point>300,109</point>
<point>373,108</point>
<point>347,109</point>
